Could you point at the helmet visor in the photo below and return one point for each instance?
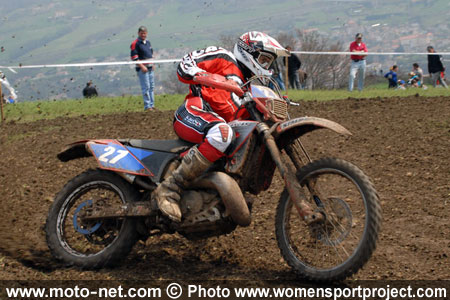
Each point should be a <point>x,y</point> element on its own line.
<point>265,59</point>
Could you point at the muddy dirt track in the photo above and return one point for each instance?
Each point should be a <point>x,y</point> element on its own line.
<point>403,144</point>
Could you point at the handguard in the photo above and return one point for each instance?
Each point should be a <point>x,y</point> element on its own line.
<point>219,82</point>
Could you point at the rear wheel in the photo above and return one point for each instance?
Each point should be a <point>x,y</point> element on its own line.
<point>91,244</point>
<point>343,243</point>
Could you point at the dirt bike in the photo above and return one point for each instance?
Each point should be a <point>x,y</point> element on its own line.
<point>327,219</point>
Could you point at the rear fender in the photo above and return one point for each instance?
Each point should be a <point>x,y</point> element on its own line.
<point>297,127</point>
<point>110,155</point>
<point>74,151</point>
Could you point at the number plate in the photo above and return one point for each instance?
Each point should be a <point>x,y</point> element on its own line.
<point>112,155</point>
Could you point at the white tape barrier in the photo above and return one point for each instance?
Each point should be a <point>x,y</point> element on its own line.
<point>111,63</point>
<point>161,61</point>
<point>368,53</point>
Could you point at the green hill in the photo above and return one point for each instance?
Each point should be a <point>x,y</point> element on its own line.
<point>57,31</point>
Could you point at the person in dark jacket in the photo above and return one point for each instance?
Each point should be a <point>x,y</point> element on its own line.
<point>294,65</point>
<point>435,67</point>
<point>141,49</point>
<point>90,91</point>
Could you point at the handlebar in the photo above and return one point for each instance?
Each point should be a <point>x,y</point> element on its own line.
<point>221,82</point>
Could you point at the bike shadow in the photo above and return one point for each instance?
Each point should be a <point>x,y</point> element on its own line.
<point>182,260</point>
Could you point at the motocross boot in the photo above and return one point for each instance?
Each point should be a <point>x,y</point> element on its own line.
<point>168,193</point>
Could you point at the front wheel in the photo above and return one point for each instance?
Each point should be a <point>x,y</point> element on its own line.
<point>343,243</point>
<point>91,244</point>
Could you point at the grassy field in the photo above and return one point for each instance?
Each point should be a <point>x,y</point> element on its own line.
<point>36,110</point>
<point>32,111</point>
<point>374,91</point>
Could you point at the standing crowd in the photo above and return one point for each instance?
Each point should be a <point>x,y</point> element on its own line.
<point>435,69</point>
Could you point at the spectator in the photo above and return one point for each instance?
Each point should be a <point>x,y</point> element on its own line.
<point>294,65</point>
<point>419,73</point>
<point>89,91</point>
<point>10,100</point>
<point>277,75</point>
<point>358,62</point>
<point>141,49</point>
<point>435,67</point>
<point>442,78</point>
<point>413,80</point>
<point>392,77</point>
<point>12,93</point>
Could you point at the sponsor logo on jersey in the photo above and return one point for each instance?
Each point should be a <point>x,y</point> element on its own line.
<point>193,121</point>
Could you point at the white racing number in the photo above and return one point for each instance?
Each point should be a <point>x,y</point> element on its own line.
<point>208,51</point>
<point>110,151</point>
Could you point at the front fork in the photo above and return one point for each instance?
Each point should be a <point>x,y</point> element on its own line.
<point>295,151</point>
<point>293,187</point>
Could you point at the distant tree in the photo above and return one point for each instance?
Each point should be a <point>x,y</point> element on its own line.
<point>324,71</point>
<point>287,39</point>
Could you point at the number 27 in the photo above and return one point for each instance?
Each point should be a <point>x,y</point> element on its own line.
<point>110,151</point>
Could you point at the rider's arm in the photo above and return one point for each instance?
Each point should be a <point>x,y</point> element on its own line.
<point>215,60</point>
<point>187,69</point>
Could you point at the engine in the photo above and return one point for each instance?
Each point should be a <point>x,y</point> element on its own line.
<point>204,215</point>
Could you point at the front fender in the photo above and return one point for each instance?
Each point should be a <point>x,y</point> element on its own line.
<point>297,127</point>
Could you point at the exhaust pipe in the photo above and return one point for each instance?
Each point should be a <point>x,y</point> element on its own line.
<point>230,193</point>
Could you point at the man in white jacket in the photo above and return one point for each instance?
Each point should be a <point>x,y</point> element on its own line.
<point>12,93</point>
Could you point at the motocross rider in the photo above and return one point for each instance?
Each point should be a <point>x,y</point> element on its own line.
<point>203,117</point>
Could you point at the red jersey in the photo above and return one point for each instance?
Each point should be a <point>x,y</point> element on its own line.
<point>214,60</point>
<point>357,47</point>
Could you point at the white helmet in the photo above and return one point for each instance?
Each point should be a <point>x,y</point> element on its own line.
<point>257,51</point>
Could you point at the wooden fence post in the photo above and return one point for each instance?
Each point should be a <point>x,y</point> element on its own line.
<point>1,100</point>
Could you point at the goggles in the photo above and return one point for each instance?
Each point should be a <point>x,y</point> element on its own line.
<point>265,59</point>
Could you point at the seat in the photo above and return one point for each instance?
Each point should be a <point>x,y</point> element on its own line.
<point>173,146</point>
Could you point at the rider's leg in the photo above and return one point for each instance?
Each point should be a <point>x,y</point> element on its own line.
<point>168,193</point>
<point>189,124</point>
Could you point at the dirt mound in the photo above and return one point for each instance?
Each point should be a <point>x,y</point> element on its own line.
<point>401,143</point>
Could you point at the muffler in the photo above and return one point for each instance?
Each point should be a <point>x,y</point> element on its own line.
<point>229,192</point>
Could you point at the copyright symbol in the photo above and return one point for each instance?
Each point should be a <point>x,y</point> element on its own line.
<point>174,291</point>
